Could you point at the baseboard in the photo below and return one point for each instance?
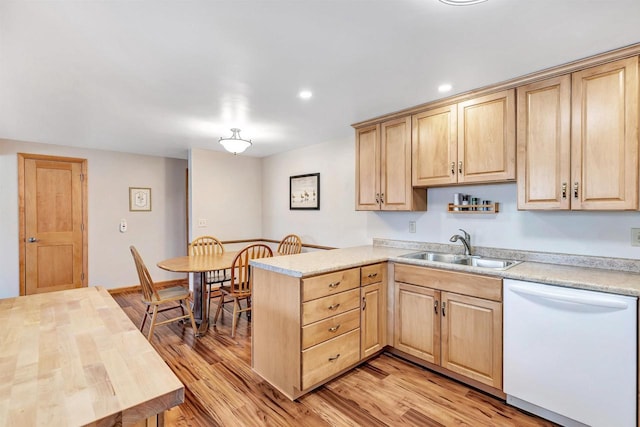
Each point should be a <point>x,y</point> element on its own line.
<point>136,288</point>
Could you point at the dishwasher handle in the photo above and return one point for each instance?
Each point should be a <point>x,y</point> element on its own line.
<point>576,299</point>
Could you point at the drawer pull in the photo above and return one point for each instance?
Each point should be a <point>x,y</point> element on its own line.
<point>334,306</point>
<point>372,275</point>
<point>334,328</point>
<point>334,358</point>
<point>334,285</point>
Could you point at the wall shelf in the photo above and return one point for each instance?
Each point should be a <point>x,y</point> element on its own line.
<point>474,209</point>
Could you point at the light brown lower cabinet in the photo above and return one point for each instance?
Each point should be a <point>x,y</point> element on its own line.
<point>451,320</point>
<point>306,331</point>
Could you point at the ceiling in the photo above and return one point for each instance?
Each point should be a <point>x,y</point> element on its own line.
<point>159,77</point>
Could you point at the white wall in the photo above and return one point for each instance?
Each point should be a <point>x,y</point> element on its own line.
<point>158,234</point>
<point>337,224</point>
<point>226,191</point>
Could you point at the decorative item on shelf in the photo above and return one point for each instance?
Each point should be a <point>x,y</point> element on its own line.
<point>485,207</point>
<point>235,144</point>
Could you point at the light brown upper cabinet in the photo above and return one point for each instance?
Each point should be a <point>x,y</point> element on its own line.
<point>383,168</point>
<point>578,140</point>
<point>469,142</point>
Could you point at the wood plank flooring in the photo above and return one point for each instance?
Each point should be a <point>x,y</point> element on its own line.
<point>222,390</point>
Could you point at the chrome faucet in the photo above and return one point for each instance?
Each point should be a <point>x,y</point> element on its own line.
<point>466,241</point>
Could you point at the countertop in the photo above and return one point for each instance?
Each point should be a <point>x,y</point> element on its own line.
<point>573,276</point>
<point>72,358</point>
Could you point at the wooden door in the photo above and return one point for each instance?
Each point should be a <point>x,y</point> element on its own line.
<point>472,338</point>
<point>417,322</point>
<point>544,141</point>
<point>435,147</point>
<point>486,138</point>
<point>53,244</point>
<point>372,319</point>
<point>368,168</point>
<point>604,136</point>
<point>395,164</point>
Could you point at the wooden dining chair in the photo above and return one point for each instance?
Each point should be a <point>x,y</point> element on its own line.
<point>208,245</point>
<point>239,287</point>
<point>290,245</point>
<point>153,298</point>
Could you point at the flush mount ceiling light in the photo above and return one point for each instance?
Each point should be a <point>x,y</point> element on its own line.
<point>461,2</point>
<point>235,144</point>
<point>445,87</point>
<point>305,94</point>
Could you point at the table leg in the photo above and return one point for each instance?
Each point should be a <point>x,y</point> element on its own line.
<point>200,306</point>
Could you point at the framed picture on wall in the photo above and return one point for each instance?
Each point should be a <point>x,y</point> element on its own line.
<point>139,199</point>
<point>304,191</point>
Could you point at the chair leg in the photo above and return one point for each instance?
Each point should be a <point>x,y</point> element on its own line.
<point>236,314</point>
<point>196,333</point>
<point>153,322</point>
<point>144,318</point>
<point>220,304</point>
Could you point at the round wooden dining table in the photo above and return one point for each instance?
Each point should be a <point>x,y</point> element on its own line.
<point>199,264</point>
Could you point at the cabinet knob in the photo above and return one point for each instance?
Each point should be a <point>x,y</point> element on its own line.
<point>381,197</point>
<point>334,328</point>
<point>378,198</point>
<point>575,190</point>
<point>334,306</point>
<point>334,358</point>
<point>444,309</point>
<point>564,190</point>
<point>453,168</point>
<point>435,306</point>
<point>334,285</point>
<point>364,303</point>
<point>372,275</point>
<point>460,167</point>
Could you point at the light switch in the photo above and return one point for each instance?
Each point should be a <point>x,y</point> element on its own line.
<point>123,225</point>
<point>412,226</point>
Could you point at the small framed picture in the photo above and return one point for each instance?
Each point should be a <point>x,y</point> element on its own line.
<point>304,191</point>
<point>139,199</point>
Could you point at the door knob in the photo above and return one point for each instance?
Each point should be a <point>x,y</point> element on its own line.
<point>32,240</point>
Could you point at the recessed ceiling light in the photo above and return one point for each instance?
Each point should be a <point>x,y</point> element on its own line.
<point>446,87</point>
<point>305,94</point>
<point>461,2</point>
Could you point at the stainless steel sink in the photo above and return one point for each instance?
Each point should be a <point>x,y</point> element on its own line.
<point>437,256</point>
<point>496,264</point>
<point>473,261</point>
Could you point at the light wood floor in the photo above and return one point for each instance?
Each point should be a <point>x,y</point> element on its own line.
<point>222,390</point>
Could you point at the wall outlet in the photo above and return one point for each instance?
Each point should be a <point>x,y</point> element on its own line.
<point>202,222</point>
<point>635,237</point>
<point>412,226</point>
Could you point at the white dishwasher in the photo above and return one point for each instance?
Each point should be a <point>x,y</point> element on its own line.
<point>570,355</point>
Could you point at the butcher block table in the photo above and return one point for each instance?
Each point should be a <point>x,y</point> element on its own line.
<point>74,358</point>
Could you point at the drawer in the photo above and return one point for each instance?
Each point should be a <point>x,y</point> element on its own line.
<point>321,308</point>
<point>372,273</point>
<point>329,284</point>
<point>323,330</point>
<point>474,285</point>
<point>324,360</point>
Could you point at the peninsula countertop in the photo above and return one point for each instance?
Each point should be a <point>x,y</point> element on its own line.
<point>573,276</point>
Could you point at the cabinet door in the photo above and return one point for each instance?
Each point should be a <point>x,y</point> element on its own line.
<point>486,138</point>
<point>543,140</point>
<point>395,164</point>
<point>472,338</point>
<point>372,320</point>
<point>417,322</point>
<point>368,168</point>
<point>604,136</point>
<point>435,147</point>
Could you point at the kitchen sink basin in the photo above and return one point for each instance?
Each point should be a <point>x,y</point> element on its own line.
<point>437,256</point>
<point>470,260</point>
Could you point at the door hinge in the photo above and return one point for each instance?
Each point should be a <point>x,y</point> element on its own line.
<point>81,177</point>
<point>81,276</point>
<point>81,227</point>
